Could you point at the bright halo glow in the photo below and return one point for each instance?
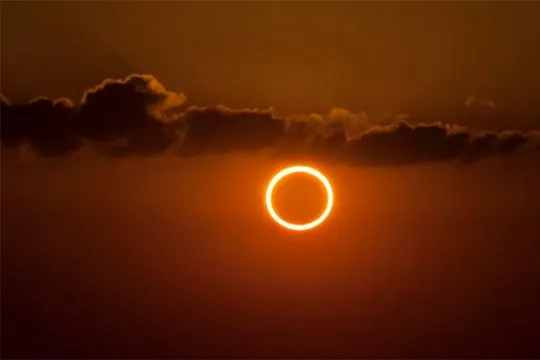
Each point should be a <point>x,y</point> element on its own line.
<point>293,170</point>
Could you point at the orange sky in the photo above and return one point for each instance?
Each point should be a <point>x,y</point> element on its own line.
<point>133,225</point>
<point>153,258</point>
<point>421,57</point>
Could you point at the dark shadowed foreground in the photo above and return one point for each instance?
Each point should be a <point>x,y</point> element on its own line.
<point>162,258</point>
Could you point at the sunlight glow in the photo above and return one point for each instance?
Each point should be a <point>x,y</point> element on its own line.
<point>293,170</point>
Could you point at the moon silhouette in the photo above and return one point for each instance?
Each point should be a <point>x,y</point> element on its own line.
<point>305,170</point>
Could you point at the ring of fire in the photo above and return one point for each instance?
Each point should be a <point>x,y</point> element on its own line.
<point>293,170</point>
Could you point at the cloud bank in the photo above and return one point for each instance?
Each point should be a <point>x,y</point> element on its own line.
<point>138,116</point>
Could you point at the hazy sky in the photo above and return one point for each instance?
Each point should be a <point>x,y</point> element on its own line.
<point>133,221</point>
<point>177,258</point>
<point>414,57</point>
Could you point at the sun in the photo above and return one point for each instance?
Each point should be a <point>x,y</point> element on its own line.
<point>305,170</point>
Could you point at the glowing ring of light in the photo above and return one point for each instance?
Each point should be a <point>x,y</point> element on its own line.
<point>305,170</point>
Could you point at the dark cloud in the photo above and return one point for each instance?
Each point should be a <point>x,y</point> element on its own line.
<point>137,115</point>
<point>4,99</point>
<point>403,143</point>
<point>48,125</point>
<point>473,101</point>
<point>219,129</point>
<point>136,110</point>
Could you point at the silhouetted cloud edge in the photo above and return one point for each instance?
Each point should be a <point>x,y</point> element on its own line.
<point>138,116</point>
